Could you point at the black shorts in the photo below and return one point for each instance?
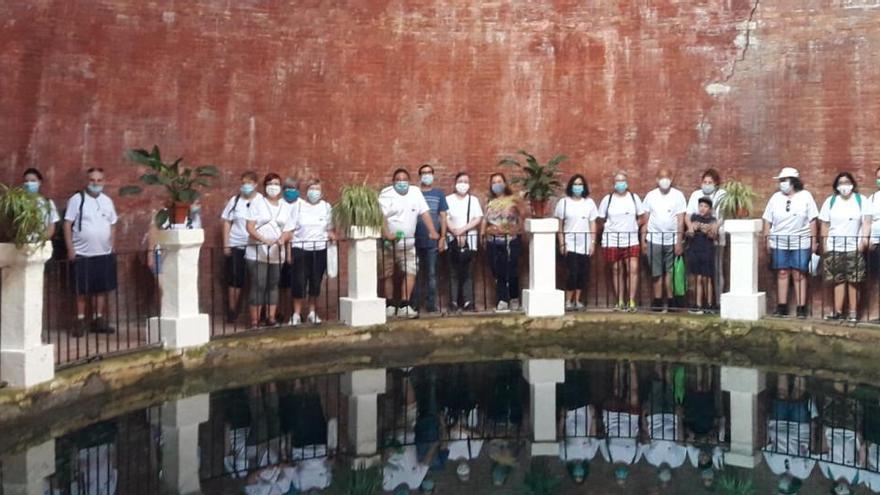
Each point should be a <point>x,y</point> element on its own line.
<point>701,260</point>
<point>94,274</point>
<point>235,268</point>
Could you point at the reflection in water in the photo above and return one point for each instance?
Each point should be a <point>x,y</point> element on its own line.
<point>619,427</point>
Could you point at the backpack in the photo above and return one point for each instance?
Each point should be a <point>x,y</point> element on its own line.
<point>858,200</point>
<point>631,195</point>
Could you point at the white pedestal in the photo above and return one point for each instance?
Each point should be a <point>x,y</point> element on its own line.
<point>362,388</point>
<point>181,325</point>
<point>542,298</point>
<point>362,307</point>
<point>543,375</point>
<point>24,359</point>
<point>743,302</point>
<point>180,443</point>
<point>24,473</point>
<point>744,385</point>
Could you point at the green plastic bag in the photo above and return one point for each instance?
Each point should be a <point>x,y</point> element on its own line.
<point>679,383</point>
<point>679,277</point>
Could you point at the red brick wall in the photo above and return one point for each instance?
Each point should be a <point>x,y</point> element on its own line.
<point>348,89</point>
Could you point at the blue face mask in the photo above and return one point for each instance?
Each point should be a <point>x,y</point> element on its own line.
<point>401,186</point>
<point>577,190</point>
<point>314,195</point>
<point>96,188</point>
<point>428,179</point>
<point>498,188</point>
<point>291,195</point>
<point>32,186</point>
<point>247,189</point>
<point>621,186</point>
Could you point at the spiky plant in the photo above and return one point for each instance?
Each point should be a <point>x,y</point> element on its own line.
<point>740,198</point>
<point>358,206</point>
<point>539,182</point>
<point>22,217</point>
<point>363,481</point>
<point>730,484</point>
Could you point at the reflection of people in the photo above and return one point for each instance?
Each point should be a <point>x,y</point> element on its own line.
<point>622,416</point>
<point>793,417</point>
<point>665,450</point>
<point>252,431</point>
<point>463,419</point>
<point>704,424</point>
<point>313,438</point>
<point>843,448</point>
<point>88,465</point>
<point>577,422</point>
<point>403,470</point>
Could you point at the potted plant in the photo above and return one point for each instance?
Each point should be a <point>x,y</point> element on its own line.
<point>539,182</point>
<point>22,218</point>
<point>362,481</point>
<point>738,201</point>
<point>180,183</point>
<point>358,208</point>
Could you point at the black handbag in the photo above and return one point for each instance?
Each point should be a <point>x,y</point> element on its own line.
<point>461,253</point>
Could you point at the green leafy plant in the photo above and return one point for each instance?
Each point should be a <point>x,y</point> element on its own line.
<point>181,183</point>
<point>738,202</point>
<point>730,484</point>
<point>363,481</point>
<point>540,481</point>
<point>358,206</point>
<point>22,217</point>
<point>539,182</point>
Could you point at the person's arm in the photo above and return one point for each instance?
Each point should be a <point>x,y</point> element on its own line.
<point>865,233</point>
<point>712,230</point>
<point>441,244</point>
<point>50,230</point>
<point>679,237</point>
<point>429,224</point>
<point>814,241</point>
<point>765,233</point>
<point>251,227</point>
<point>823,232</point>
<point>643,231</point>
<point>68,239</point>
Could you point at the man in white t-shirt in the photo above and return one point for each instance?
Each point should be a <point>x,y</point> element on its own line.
<point>402,207</point>
<point>622,212</point>
<point>665,207</point>
<point>88,234</point>
<point>236,238</point>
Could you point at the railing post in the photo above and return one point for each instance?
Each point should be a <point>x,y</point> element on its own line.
<point>543,375</point>
<point>180,442</point>
<point>180,324</point>
<point>25,473</point>
<point>362,307</point>
<point>24,359</point>
<point>744,385</point>
<point>542,298</point>
<point>743,302</point>
<point>362,387</point>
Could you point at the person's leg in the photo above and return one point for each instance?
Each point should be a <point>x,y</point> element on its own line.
<point>467,287</point>
<point>581,262</point>
<point>409,267</point>
<point>499,263</point>
<point>782,277</point>
<point>852,295</point>
<point>419,289</point>
<point>570,277</point>
<point>255,292</point>
<point>655,265</point>
<point>700,281</point>
<point>839,295</point>
<point>316,278</point>
<point>800,287</point>
<point>431,275</point>
<point>513,268</point>
<point>273,277</point>
<point>633,386</point>
<point>455,282</point>
<point>782,386</point>
<point>617,280</point>
<point>633,265</point>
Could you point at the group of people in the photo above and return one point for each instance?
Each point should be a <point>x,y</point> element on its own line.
<point>273,238</point>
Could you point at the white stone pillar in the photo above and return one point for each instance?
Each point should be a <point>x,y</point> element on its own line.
<point>180,442</point>
<point>542,298</point>
<point>743,302</point>
<point>362,307</point>
<point>744,385</point>
<point>543,375</point>
<point>180,323</point>
<point>362,387</point>
<point>24,359</point>
<point>25,473</point>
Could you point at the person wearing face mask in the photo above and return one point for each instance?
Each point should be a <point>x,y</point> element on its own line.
<point>33,180</point>
<point>500,232</point>
<point>874,199</point>
<point>710,187</point>
<point>845,225</point>
<point>311,227</point>
<point>88,233</point>
<point>622,212</point>
<point>790,228</point>
<point>427,249</point>
<point>266,223</point>
<point>665,207</point>
<point>290,193</point>
<point>577,215</point>
<point>402,206</point>
<point>236,239</point>
<point>463,220</point>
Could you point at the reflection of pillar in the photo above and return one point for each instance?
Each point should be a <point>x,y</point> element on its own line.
<point>543,375</point>
<point>743,302</point>
<point>744,385</point>
<point>362,388</point>
<point>25,473</point>
<point>542,298</point>
<point>180,442</point>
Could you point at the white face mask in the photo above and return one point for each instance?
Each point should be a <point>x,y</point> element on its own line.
<point>665,183</point>
<point>462,187</point>
<point>273,190</point>
<point>845,189</point>
<point>785,186</point>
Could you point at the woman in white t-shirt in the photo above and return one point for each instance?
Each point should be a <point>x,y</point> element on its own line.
<point>266,222</point>
<point>845,225</point>
<point>577,215</point>
<point>311,224</point>
<point>622,214</point>
<point>463,219</point>
<point>790,230</point>
<point>33,180</point>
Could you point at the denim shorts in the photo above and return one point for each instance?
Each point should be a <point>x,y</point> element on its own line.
<point>790,259</point>
<point>797,411</point>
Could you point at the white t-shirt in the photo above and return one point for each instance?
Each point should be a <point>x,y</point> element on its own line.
<point>663,211</point>
<point>799,467</point>
<point>461,446</point>
<point>621,424</point>
<point>874,199</point>
<point>310,224</point>
<point>624,450</point>
<point>52,215</point>
<point>844,222</point>
<point>457,216</point>
<point>270,221</point>
<point>621,219</point>
<point>238,236</point>
<point>403,468</point>
<point>578,445</point>
<point>717,457</point>
<point>660,452</point>
<point>693,206</point>
<point>310,474</point>
<point>402,211</point>
<point>789,218</point>
<point>91,233</point>
<point>576,215</point>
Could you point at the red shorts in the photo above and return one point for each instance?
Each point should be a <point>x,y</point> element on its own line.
<point>615,254</point>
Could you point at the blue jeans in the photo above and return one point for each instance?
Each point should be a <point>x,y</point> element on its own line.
<point>427,279</point>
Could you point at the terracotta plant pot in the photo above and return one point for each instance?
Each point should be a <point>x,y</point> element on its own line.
<point>742,213</point>
<point>539,207</point>
<point>179,213</point>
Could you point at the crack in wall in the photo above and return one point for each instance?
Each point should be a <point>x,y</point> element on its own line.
<point>747,43</point>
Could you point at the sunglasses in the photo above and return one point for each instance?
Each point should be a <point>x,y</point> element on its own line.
<point>788,206</point>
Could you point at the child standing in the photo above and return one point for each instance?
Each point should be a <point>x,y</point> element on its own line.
<point>701,253</point>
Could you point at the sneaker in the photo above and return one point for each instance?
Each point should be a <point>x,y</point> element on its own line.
<point>569,306</point>
<point>853,317</point>
<point>781,311</point>
<point>578,306</point>
<point>81,328</point>
<point>101,326</point>
<point>833,317</point>
<point>390,311</point>
<point>801,312</point>
<point>467,306</point>
<point>514,305</point>
<point>695,311</point>
<point>632,306</point>
<point>295,320</point>
<point>313,318</point>
<point>620,306</point>
<point>656,305</point>
<point>502,307</point>
<point>407,312</point>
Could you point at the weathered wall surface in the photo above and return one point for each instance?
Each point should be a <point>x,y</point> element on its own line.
<point>347,89</point>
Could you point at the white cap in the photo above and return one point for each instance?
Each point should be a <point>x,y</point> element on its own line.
<point>787,172</point>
